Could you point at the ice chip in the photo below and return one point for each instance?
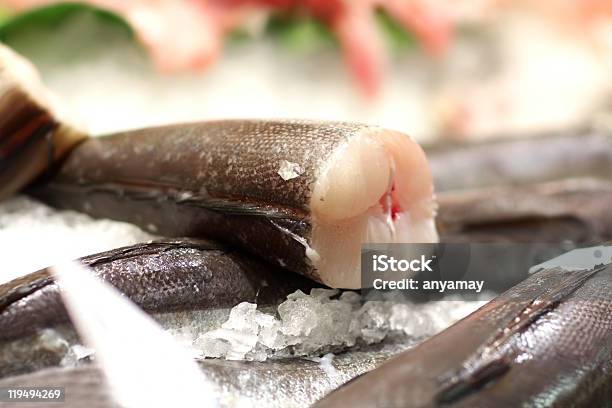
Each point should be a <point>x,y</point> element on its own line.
<point>289,170</point>
<point>298,316</point>
<point>240,343</point>
<point>411,321</point>
<point>51,340</point>
<point>374,321</point>
<point>296,295</point>
<point>325,363</point>
<point>242,318</point>
<point>350,297</point>
<point>212,347</point>
<point>81,352</point>
<point>75,355</point>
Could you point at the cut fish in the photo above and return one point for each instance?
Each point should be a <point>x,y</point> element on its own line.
<point>221,180</point>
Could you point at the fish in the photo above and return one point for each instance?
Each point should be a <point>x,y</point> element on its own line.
<point>34,127</point>
<point>544,218</point>
<point>83,386</point>
<point>570,210</point>
<point>124,339</point>
<point>278,383</point>
<point>302,195</point>
<point>522,159</point>
<point>161,277</point>
<point>127,343</point>
<point>545,342</point>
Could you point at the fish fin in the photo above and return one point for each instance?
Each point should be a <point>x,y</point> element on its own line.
<point>149,191</point>
<point>486,365</point>
<point>19,288</point>
<point>464,386</point>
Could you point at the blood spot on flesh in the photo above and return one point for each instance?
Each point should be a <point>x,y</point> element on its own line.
<point>395,209</point>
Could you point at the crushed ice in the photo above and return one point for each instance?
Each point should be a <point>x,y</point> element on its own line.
<point>76,355</point>
<point>323,322</point>
<point>289,170</point>
<point>34,236</point>
<point>326,365</point>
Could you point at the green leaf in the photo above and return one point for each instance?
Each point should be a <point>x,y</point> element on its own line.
<point>397,37</point>
<point>301,33</point>
<point>65,31</point>
<point>54,15</point>
<point>308,34</point>
<point>5,14</point>
<point>238,37</point>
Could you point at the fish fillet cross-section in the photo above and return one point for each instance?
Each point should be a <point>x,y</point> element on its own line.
<point>33,129</point>
<point>230,181</point>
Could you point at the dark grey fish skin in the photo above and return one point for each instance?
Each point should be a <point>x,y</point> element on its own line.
<point>162,276</point>
<point>217,180</point>
<point>560,214</point>
<point>585,152</point>
<point>575,210</point>
<point>545,342</point>
<point>83,387</point>
<point>283,383</point>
